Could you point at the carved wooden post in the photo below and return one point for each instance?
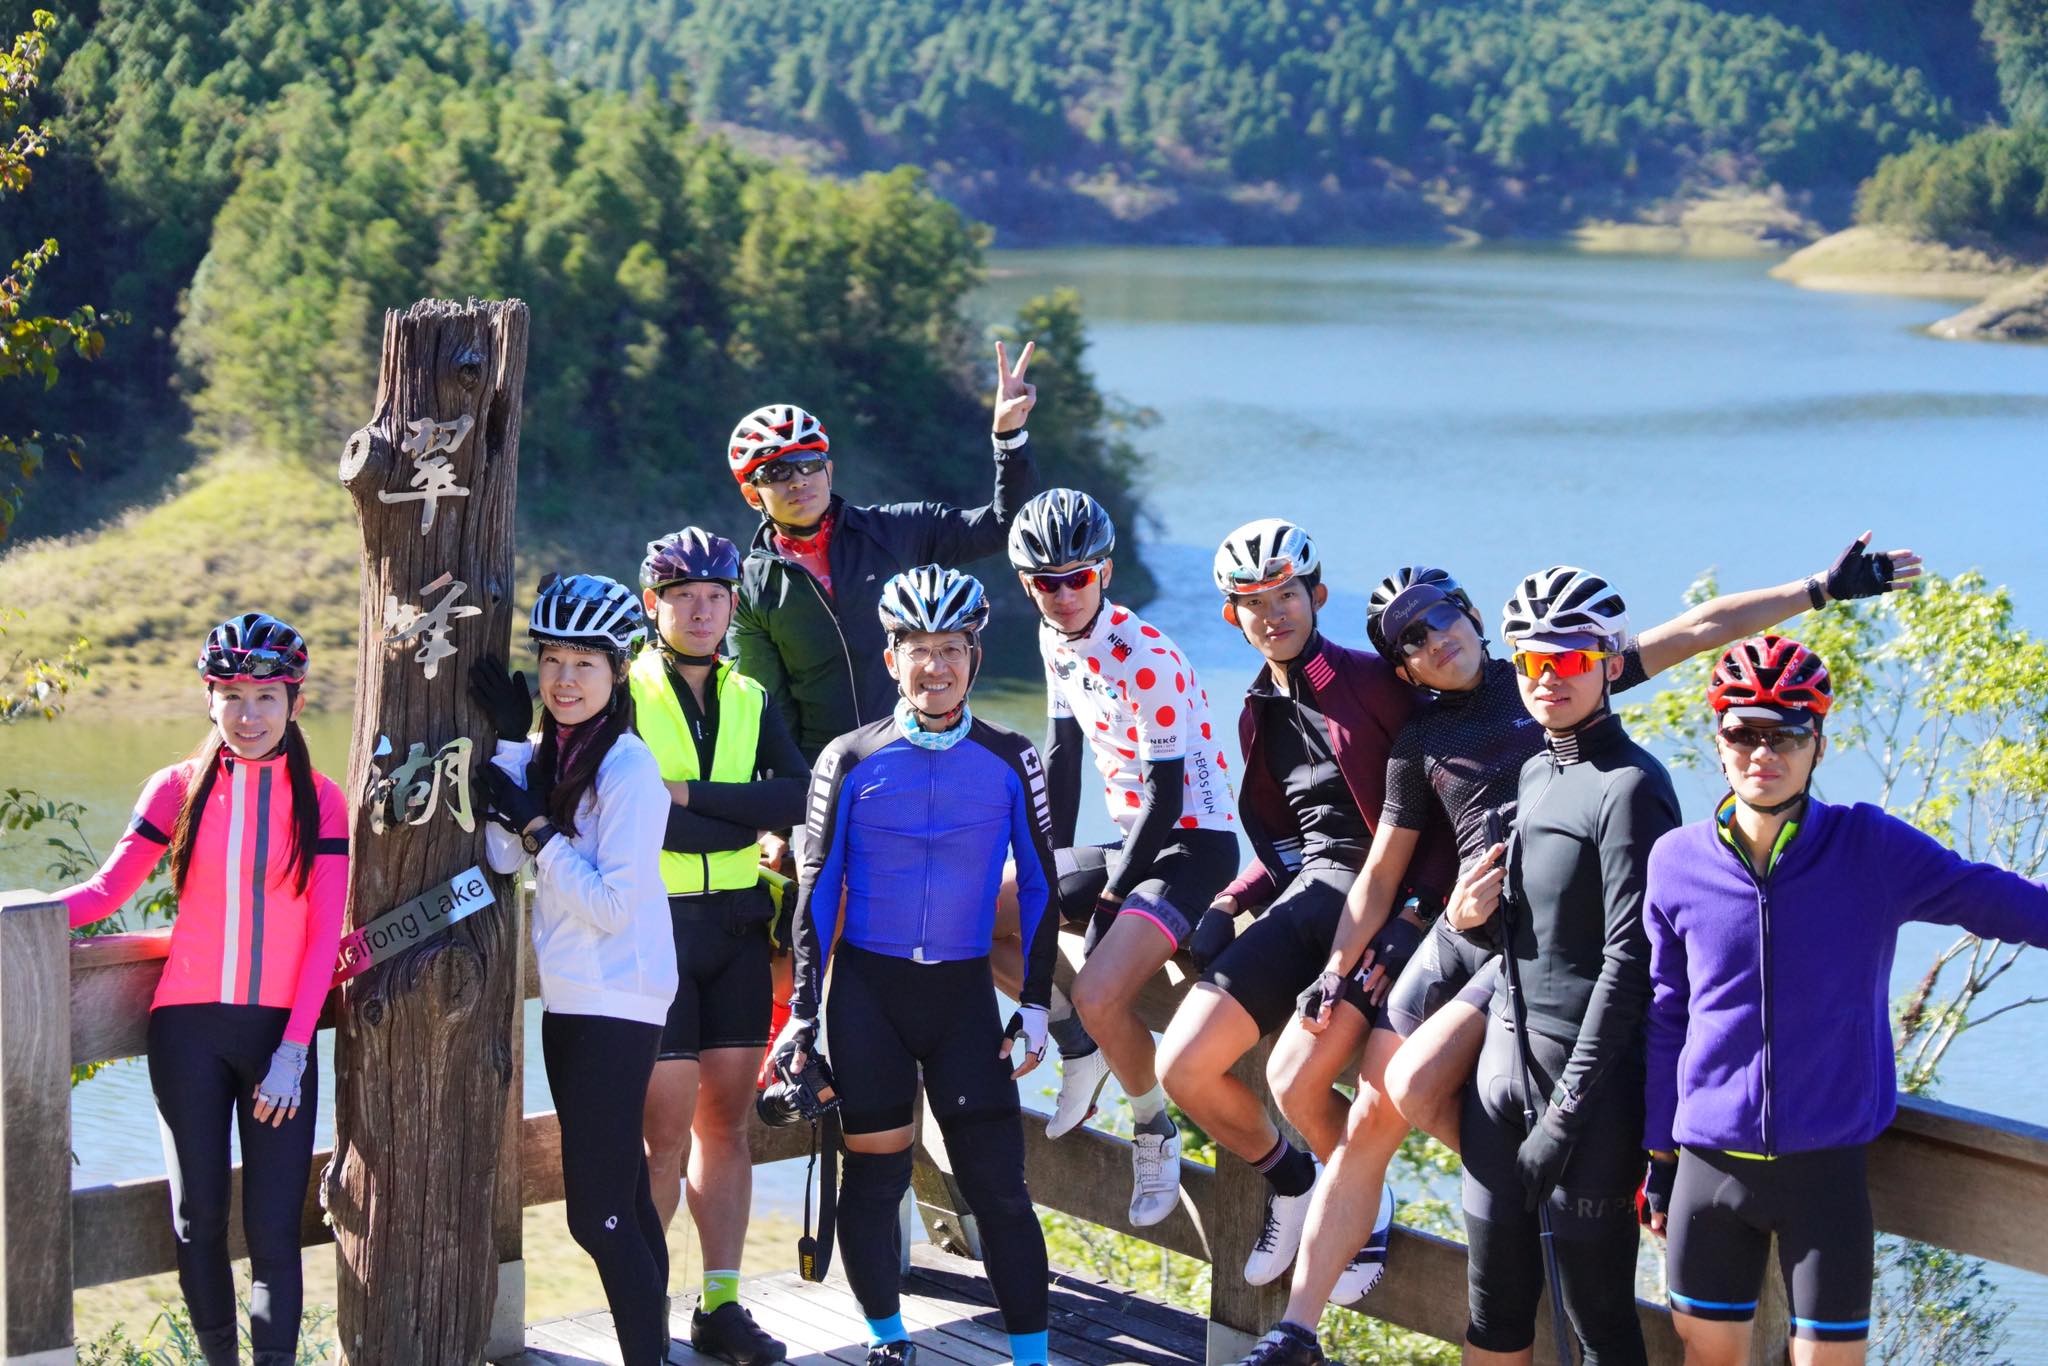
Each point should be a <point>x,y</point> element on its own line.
<point>35,1133</point>
<point>424,1065</point>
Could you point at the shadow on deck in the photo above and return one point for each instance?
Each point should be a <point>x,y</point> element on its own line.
<point>946,1305</point>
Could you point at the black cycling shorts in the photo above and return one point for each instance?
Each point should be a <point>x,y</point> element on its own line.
<point>1188,874</point>
<point>1447,967</point>
<point>1724,1210</point>
<point>886,1017</point>
<point>723,986</point>
<point>1267,967</point>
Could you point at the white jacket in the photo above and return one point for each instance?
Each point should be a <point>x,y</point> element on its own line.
<point>600,922</point>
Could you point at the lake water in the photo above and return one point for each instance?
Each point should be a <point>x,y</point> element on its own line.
<point>1494,411</point>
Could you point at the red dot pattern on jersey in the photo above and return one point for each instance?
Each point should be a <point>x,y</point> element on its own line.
<point>1120,616</point>
<point>1187,822</point>
<point>1148,632</point>
<point>1094,665</point>
<point>1164,716</point>
<point>1180,682</point>
<point>1205,731</point>
<point>1146,678</point>
<point>1131,799</point>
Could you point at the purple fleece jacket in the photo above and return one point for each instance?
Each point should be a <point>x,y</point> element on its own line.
<point>1769,1025</point>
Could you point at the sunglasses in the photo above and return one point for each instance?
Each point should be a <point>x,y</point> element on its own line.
<point>1743,739</point>
<point>1049,584</point>
<point>226,665</point>
<point>782,471</point>
<point>1441,617</point>
<point>1565,663</point>
<point>1255,578</point>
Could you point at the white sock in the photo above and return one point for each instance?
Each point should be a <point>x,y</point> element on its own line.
<point>1150,1106</point>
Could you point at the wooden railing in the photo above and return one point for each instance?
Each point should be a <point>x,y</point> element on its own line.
<point>1943,1175</point>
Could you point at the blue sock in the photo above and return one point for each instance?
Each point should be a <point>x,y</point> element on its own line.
<point>1028,1349</point>
<point>890,1329</point>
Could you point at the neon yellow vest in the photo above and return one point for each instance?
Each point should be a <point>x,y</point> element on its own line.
<point>659,719</point>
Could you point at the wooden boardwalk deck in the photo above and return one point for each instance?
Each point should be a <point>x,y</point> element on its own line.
<point>946,1305</point>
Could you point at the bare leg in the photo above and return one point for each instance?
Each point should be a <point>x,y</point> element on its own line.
<point>1347,1199</point>
<point>1806,1352</point>
<point>1479,1356</point>
<point>721,1186</point>
<point>1303,1072</point>
<point>1204,1040</point>
<point>1712,1342</point>
<point>666,1117</point>
<point>1106,993</point>
<point>1428,1075</point>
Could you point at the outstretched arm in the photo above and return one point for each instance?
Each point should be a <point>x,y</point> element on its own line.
<point>1857,572</point>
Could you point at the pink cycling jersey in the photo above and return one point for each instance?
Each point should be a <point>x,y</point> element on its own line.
<point>245,933</point>
<point>1138,702</point>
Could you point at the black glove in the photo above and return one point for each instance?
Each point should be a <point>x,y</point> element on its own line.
<point>799,1035</point>
<point>1541,1158</point>
<point>1859,573</point>
<point>1395,944</point>
<point>503,697</point>
<point>1214,933</point>
<point>506,802</point>
<point>1320,997</point>
<point>1655,1196</point>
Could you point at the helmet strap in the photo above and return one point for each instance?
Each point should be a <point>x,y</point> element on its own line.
<point>1778,808</point>
<point>677,659</point>
<point>1101,605</point>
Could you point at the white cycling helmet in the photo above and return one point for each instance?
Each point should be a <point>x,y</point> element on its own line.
<point>1563,602</point>
<point>929,599</point>
<point>1060,526</point>
<point>770,433</point>
<point>588,611</point>
<point>1262,555</point>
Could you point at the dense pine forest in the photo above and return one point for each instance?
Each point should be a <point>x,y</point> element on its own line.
<point>1313,119</point>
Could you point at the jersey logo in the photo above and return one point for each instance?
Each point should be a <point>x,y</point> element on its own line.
<point>1034,779</point>
<point>1119,647</point>
<point>1063,669</point>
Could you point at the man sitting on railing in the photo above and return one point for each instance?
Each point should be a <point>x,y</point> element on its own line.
<point>1772,928</point>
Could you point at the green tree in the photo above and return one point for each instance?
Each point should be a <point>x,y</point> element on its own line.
<point>32,347</point>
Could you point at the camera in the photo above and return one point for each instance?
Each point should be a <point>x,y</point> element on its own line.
<point>807,1095</point>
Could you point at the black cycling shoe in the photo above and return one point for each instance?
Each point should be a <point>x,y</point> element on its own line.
<point>730,1334</point>
<point>893,1354</point>
<point>1287,1345</point>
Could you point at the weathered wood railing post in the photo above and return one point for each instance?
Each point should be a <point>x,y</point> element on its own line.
<point>35,1134</point>
<point>424,1065</point>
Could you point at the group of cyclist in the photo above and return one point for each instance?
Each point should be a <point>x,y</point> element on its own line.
<point>1470,907</point>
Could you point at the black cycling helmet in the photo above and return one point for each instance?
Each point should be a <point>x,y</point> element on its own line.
<point>1393,585</point>
<point>691,555</point>
<point>254,646</point>
<point>1060,526</point>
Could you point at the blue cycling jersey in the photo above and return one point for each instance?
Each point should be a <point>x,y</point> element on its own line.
<point>915,840</point>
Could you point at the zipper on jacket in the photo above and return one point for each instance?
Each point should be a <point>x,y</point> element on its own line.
<point>1763,920</point>
<point>852,685</point>
<point>931,816</point>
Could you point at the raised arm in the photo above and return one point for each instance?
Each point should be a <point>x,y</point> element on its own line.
<point>1858,572</point>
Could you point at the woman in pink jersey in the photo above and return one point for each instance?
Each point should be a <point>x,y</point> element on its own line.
<point>258,843</point>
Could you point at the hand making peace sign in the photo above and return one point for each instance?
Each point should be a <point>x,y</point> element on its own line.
<point>1014,398</point>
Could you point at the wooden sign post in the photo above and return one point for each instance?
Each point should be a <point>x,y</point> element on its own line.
<point>424,1209</point>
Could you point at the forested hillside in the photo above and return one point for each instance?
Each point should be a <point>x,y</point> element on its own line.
<point>255,183</point>
<point>1305,118</point>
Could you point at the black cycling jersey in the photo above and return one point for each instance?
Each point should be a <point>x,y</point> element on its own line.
<point>1590,808</point>
<point>1464,751</point>
<point>1299,756</point>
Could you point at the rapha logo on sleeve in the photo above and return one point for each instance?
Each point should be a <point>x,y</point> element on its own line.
<point>426,915</point>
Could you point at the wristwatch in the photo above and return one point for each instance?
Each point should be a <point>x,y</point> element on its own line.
<point>535,840</point>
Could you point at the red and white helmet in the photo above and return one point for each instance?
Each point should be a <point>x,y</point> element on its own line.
<point>1770,678</point>
<point>770,433</point>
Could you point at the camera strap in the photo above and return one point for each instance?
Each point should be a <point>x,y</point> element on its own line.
<point>814,1255</point>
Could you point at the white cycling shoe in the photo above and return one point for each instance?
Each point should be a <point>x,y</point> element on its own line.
<point>1363,1271</point>
<point>1081,1081</point>
<point>1280,1239</point>
<point>1155,1177</point>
